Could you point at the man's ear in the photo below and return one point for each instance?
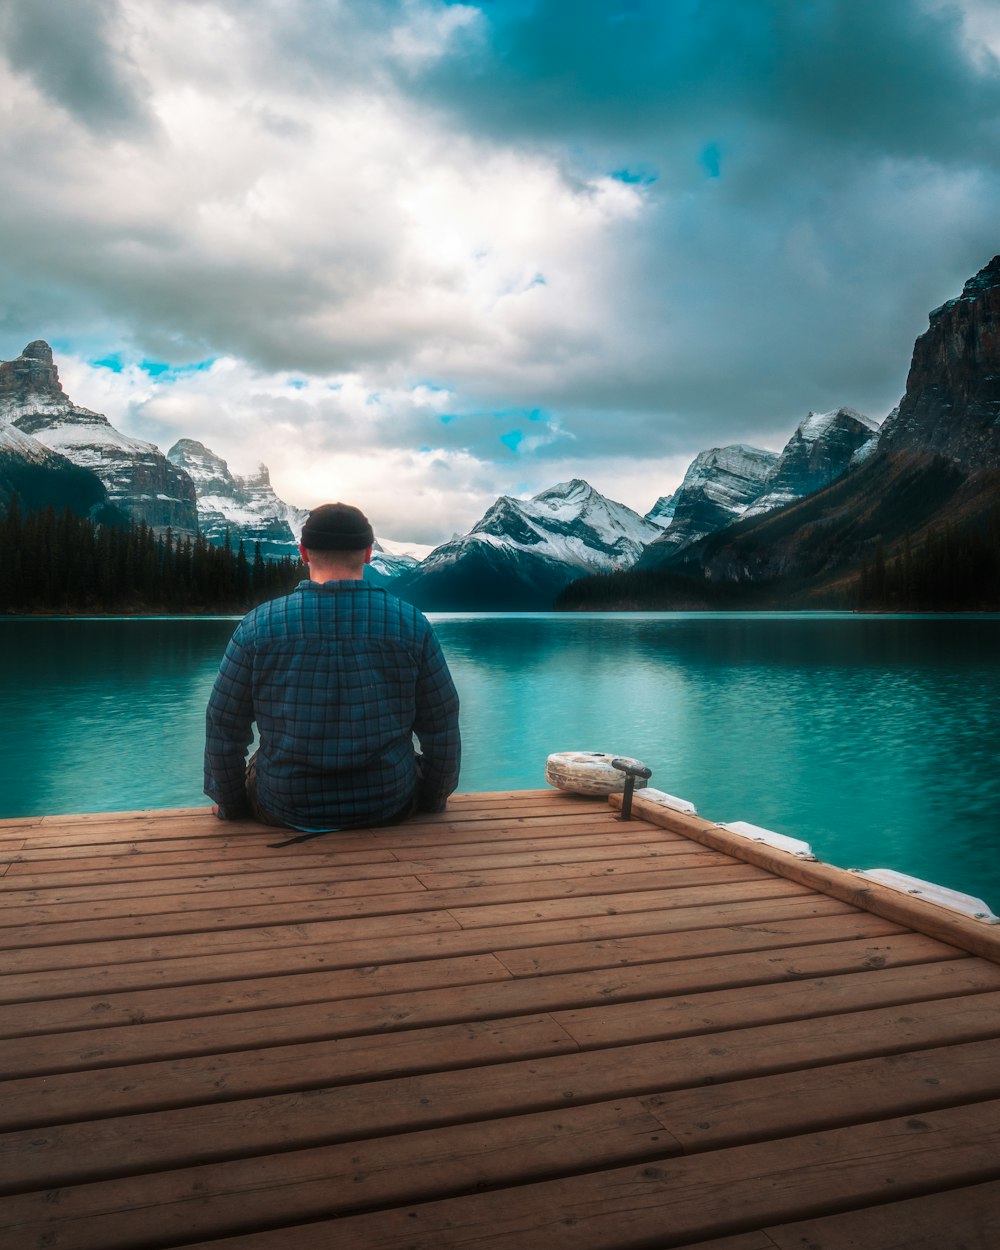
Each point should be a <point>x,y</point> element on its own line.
<point>303,554</point>
<point>368,555</point>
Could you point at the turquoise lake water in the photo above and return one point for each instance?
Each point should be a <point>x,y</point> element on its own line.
<point>874,738</point>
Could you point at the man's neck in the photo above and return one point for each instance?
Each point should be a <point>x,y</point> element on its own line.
<point>334,573</point>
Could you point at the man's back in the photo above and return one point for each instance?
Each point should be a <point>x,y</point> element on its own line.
<point>338,676</point>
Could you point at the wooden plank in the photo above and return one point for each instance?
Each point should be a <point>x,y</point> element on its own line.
<point>242,1195</point>
<point>719,1010</point>
<point>351,900</point>
<point>837,924</point>
<point>829,1096</point>
<point>90,901</point>
<point>224,877</point>
<point>406,986</point>
<point>659,856</point>
<point>673,1201</point>
<point>90,954</point>
<point>611,952</point>
<point>305,873</point>
<point>255,839</point>
<point>26,875</point>
<point>205,838</point>
<point>959,1219</point>
<point>524,852</point>
<point>351,939</point>
<point>463,909</point>
<point>640,900</point>
<point>73,1152</point>
<point>138,1088</point>
<point>465,805</point>
<point>34,915</point>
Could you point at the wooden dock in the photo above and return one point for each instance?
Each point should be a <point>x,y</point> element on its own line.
<point>518,1025</point>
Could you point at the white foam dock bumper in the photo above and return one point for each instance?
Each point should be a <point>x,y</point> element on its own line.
<point>662,799</point>
<point>778,840</point>
<point>965,904</point>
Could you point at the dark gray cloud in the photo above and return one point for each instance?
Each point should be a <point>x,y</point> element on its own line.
<point>68,49</point>
<point>823,76</point>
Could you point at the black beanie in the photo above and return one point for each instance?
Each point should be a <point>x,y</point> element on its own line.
<point>337,527</point>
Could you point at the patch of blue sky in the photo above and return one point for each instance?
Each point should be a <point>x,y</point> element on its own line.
<point>635,177</point>
<point>298,384</point>
<point>710,158</point>
<point>512,439</point>
<point>153,368</point>
<point>196,366</point>
<point>446,418</point>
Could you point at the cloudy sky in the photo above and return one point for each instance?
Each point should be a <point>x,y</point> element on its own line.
<point>417,254</point>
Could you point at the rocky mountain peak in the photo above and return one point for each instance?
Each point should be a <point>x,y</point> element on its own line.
<point>135,474</point>
<point>822,448</point>
<point>209,472</point>
<point>576,489</point>
<point>38,350</point>
<point>719,486</point>
<point>244,507</point>
<point>31,379</point>
<point>952,400</point>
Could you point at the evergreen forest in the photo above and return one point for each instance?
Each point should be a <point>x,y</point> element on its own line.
<point>64,563</point>
<point>953,568</point>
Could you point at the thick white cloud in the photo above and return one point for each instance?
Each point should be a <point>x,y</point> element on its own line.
<point>428,253</point>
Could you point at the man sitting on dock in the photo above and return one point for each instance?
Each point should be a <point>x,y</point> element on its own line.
<point>338,676</point>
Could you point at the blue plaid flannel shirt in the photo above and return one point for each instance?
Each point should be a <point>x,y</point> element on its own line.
<point>337,677</point>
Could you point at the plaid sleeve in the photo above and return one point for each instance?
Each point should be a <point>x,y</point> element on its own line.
<point>436,727</point>
<point>229,727</point>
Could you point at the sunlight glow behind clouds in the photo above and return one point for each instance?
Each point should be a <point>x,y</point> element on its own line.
<point>666,227</point>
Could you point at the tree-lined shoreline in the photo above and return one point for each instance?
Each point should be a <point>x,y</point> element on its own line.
<point>62,563</point>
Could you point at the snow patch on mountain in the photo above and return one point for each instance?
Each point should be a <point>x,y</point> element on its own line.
<point>87,438</point>
<point>14,442</point>
<point>821,450</point>
<point>662,512</point>
<point>717,489</point>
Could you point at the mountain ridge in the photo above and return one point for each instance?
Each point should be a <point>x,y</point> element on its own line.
<point>806,523</point>
<point>914,521</point>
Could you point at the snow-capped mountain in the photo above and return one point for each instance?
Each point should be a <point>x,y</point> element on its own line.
<point>717,489</point>
<point>248,509</point>
<point>821,449</point>
<point>385,565</point>
<point>522,552</point>
<point>41,478</point>
<point>138,478</point>
<point>245,507</point>
<point>662,512</point>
